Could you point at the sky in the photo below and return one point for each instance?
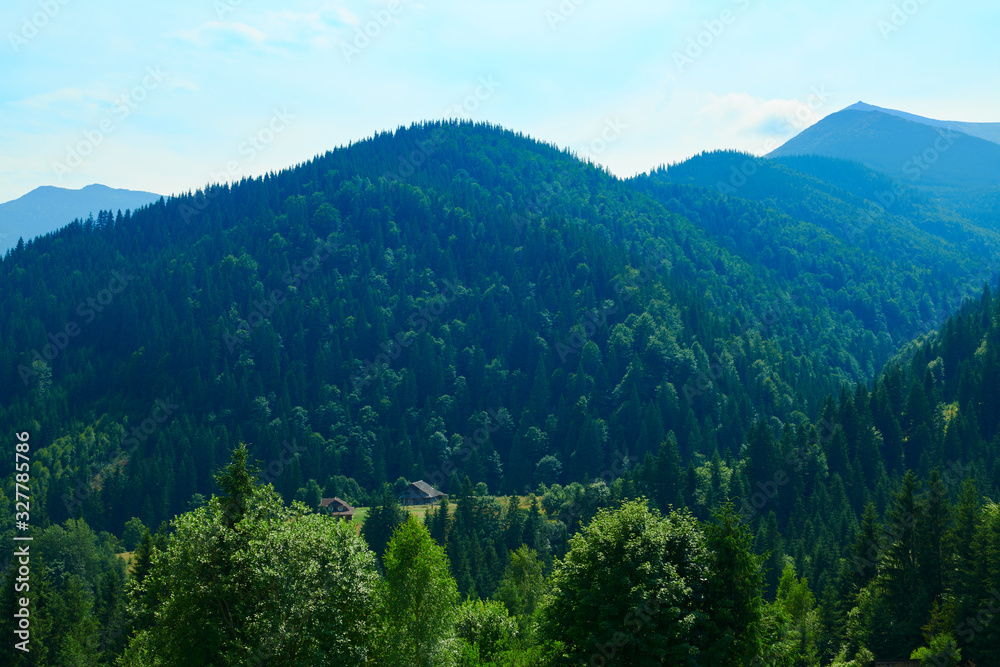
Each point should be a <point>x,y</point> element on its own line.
<point>167,97</point>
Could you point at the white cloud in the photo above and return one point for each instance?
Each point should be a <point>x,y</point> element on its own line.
<point>748,122</point>
<point>74,98</point>
<point>223,34</point>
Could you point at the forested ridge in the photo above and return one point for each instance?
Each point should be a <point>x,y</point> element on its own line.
<point>770,370</point>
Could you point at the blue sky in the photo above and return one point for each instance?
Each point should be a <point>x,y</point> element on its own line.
<point>169,96</point>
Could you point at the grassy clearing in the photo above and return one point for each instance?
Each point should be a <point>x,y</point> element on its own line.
<point>129,560</point>
<point>421,511</point>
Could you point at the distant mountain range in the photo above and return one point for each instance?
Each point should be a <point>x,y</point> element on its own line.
<point>916,150</point>
<point>48,208</point>
<point>987,131</point>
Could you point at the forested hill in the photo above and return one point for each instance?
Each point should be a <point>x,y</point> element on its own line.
<point>372,308</point>
<point>900,259</point>
<point>884,507</point>
<point>458,303</point>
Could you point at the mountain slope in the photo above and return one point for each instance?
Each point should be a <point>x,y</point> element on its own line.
<point>771,212</point>
<point>48,208</point>
<point>987,131</point>
<point>915,153</point>
<point>441,301</point>
<point>461,304</point>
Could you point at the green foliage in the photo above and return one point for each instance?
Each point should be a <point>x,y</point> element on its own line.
<point>237,482</point>
<point>75,626</point>
<point>734,604</point>
<point>862,658</point>
<point>602,313</point>
<point>629,590</point>
<point>794,612</point>
<point>523,584</point>
<point>419,600</point>
<point>132,535</point>
<point>943,651</point>
<point>381,522</point>
<point>213,595</point>
<point>509,317</point>
<point>487,625</point>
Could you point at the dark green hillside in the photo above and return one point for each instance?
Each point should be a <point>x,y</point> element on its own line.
<point>357,317</point>
<point>461,304</point>
<point>819,226</point>
<point>478,284</point>
<point>885,505</point>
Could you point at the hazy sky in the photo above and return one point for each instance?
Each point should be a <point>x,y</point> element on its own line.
<point>168,96</point>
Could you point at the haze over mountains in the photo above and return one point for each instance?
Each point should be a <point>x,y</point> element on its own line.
<point>918,151</point>
<point>988,131</point>
<point>47,208</point>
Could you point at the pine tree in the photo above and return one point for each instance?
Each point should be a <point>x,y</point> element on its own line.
<point>898,582</point>
<point>382,521</point>
<point>733,630</point>
<point>668,477</point>
<point>74,624</point>
<point>238,482</point>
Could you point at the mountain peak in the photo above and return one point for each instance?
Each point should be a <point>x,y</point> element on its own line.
<point>915,149</point>
<point>987,131</point>
<point>862,106</point>
<point>49,207</point>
